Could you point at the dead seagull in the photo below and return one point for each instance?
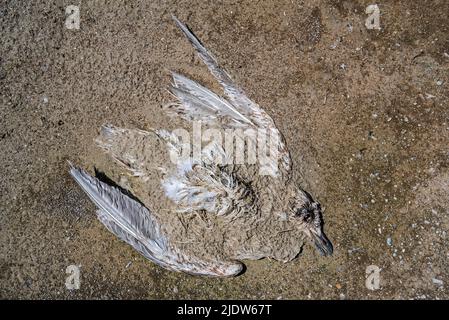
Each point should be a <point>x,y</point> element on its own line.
<point>225,212</point>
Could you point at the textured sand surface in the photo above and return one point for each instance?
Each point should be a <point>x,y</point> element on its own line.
<point>365,114</point>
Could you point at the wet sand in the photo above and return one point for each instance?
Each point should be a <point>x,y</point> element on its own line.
<point>364,112</point>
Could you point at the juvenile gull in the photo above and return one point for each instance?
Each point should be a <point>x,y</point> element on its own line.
<point>226,212</point>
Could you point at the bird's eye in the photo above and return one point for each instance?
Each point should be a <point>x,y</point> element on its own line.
<point>307,216</point>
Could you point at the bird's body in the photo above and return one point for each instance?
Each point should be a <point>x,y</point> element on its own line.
<point>210,212</point>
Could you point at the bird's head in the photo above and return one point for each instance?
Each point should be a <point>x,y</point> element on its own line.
<point>307,214</point>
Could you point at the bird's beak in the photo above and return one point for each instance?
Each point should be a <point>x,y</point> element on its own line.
<point>322,243</point>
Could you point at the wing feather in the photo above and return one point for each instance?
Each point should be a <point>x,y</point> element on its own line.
<point>206,98</point>
<point>243,108</point>
<point>133,223</point>
<point>235,94</point>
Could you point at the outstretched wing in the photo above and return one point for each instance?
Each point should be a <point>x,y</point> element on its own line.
<point>196,102</point>
<point>134,224</point>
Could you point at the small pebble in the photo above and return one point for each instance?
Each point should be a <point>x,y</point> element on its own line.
<point>389,241</point>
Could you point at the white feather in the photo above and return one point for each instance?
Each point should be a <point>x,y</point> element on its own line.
<point>134,224</point>
<point>235,94</point>
<point>238,100</point>
<point>193,94</point>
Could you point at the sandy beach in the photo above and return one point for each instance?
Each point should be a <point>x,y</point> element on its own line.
<point>365,114</point>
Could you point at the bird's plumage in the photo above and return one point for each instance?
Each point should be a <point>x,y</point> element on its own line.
<point>210,184</point>
<point>241,110</point>
<point>133,223</point>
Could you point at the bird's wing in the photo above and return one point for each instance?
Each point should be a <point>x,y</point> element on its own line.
<point>196,102</point>
<point>134,224</point>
